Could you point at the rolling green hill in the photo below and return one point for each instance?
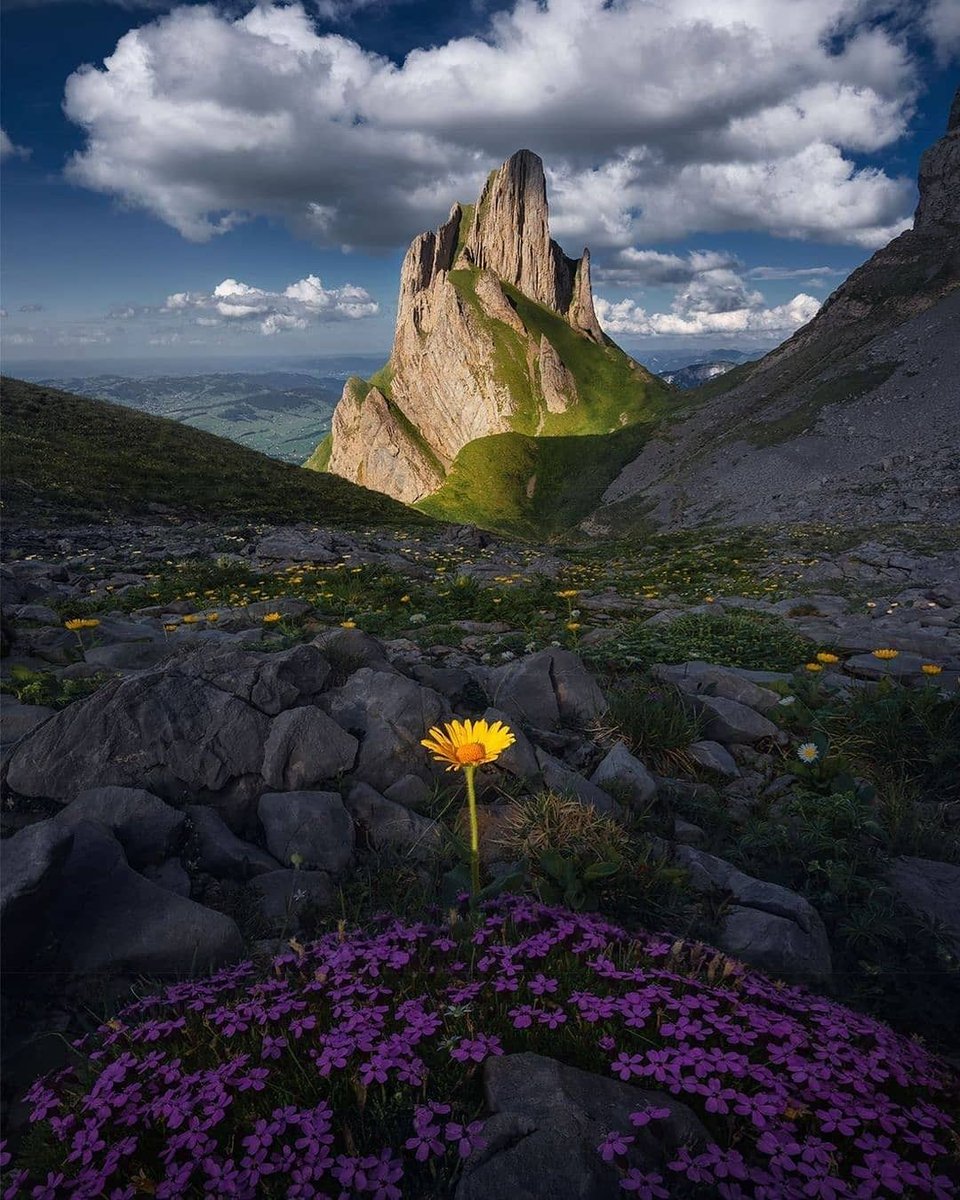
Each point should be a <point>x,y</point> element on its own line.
<point>65,456</point>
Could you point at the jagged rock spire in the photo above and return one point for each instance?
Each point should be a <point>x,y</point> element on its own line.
<point>939,180</point>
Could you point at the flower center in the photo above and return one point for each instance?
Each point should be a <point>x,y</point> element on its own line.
<point>472,752</point>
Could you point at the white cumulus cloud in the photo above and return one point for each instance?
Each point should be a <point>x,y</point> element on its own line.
<point>300,305</point>
<point>9,150</point>
<point>655,120</point>
<point>627,317</point>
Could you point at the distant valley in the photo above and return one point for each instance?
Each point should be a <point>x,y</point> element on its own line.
<point>282,413</point>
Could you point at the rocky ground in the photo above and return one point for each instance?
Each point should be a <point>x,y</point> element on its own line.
<point>200,771</point>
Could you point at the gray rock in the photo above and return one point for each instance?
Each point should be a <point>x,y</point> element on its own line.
<point>128,656</point>
<point>17,719</point>
<point>304,747</point>
<point>39,614</point>
<point>547,1121</point>
<point>558,777</point>
<point>769,926</point>
<point>931,889</point>
<point>313,825</point>
<point>171,875</point>
<point>391,714</point>
<point>350,649</point>
<point>286,606</point>
<point>166,730</point>
<point>107,919</point>
<point>31,863</point>
<point>865,666</point>
<point>625,777</point>
<point>392,827</point>
<point>546,690</point>
<point>220,852</point>
<point>697,678</point>
<point>410,791</point>
<point>282,896</point>
<point>268,682</point>
<point>520,759</point>
<point>54,645</point>
<point>147,829</point>
<point>298,545</point>
<point>688,833</point>
<point>729,721</point>
<point>714,757</point>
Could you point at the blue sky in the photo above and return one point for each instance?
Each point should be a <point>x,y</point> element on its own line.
<point>221,180</point>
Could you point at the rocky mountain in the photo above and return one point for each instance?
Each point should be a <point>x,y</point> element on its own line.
<point>854,418</point>
<point>694,374</point>
<point>496,333</point>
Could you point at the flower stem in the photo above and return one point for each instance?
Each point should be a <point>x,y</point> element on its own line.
<point>468,772</point>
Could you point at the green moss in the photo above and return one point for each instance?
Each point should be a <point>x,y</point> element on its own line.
<point>468,212</point>
<point>67,455</point>
<point>382,380</point>
<point>416,437</point>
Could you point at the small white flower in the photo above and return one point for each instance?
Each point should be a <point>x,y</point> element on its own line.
<point>787,700</point>
<point>807,752</point>
<point>507,655</point>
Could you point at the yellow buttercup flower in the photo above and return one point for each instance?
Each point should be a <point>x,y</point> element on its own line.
<point>169,629</point>
<point>931,668</point>
<point>573,626</point>
<point>468,743</point>
<point>271,618</point>
<point>192,619</point>
<point>813,666</point>
<point>348,624</point>
<point>826,657</point>
<point>213,616</point>
<point>885,654</point>
<point>568,594</point>
<point>75,624</point>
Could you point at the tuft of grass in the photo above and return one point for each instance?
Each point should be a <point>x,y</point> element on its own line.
<point>73,456</point>
<point>656,725</point>
<point>754,640</point>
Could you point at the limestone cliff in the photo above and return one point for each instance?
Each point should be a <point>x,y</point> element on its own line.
<point>496,332</point>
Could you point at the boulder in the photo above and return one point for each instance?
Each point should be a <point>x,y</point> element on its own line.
<point>107,919</point>
<point>31,863</point>
<point>128,655</point>
<point>298,545</point>
<point>148,830</point>
<point>410,791</point>
<point>696,678</point>
<point>312,825</point>
<point>350,649</point>
<point>730,721</point>
<point>931,889</point>
<point>17,719</point>
<point>221,853</point>
<point>768,926</point>
<point>267,682</point>
<point>390,714</point>
<point>625,777</point>
<point>547,1121</point>
<point>714,757</point>
<point>304,747</point>
<point>392,827</point>
<point>171,875</point>
<point>546,690</point>
<point>558,777</point>
<point>168,730</point>
<point>282,896</point>
<point>520,759</point>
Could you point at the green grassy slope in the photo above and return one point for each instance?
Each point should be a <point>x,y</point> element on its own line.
<point>64,455</point>
<point>532,485</point>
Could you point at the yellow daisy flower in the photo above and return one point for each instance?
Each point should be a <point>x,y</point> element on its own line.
<point>807,752</point>
<point>468,743</point>
<point>348,624</point>
<point>931,668</point>
<point>813,666</point>
<point>271,618</point>
<point>825,657</point>
<point>74,624</point>
<point>885,654</point>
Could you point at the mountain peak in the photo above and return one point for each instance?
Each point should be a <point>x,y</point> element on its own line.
<point>496,333</point>
<point>939,180</point>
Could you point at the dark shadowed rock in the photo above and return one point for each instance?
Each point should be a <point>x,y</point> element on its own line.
<point>167,731</point>
<point>17,719</point>
<point>714,757</point>
<point>147,829</point>
<point>768,926</point>
<point>625,777</point>
<point>305,747</point>
<point>171,875</point>
<point>729,721</point>
<point>696,678</point>
<point>350,649</point>
<point>558,777</point>
<point>931,889</point>
<point>547,1121</point>
<point>313,825</point>
<point>546,690</point>
<point>392,827</point>
<point>520,759</point>
<point>31,863</point>
<point>108,919</point>
<point>410,791</point>
<point>220,852</point>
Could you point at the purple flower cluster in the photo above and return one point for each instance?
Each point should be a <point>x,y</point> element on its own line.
<point>318,1080</point>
